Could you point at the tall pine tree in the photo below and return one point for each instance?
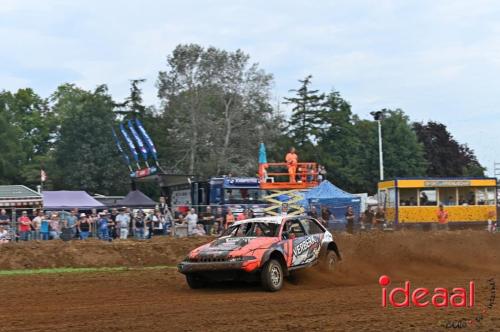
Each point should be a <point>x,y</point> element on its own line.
<point>307,111</point>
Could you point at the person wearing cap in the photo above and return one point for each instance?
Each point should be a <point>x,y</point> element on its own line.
<point>83,226</point>
<point>24,226</point>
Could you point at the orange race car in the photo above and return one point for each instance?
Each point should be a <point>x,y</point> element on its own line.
<point>268,248</point>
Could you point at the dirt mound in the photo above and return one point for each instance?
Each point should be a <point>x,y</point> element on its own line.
<point>160,300</point>
<point>94,253</point>
<point>408,255</point>
<point>365,256</point>
<point>403,255</point>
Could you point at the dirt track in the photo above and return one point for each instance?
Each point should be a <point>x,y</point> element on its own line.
<point>159,300</point>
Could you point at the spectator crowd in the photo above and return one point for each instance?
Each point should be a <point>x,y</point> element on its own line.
<point>116,224</point>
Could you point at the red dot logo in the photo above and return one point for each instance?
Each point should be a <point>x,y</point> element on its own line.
<point>384,280</point>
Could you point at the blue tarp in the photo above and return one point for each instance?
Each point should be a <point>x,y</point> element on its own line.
<point>326,190</point>
<point>333,198</point>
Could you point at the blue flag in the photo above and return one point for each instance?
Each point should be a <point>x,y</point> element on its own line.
<point>147,139</point>
<point>129,142</point>
<point>119,146</point>
<point>138,140</point>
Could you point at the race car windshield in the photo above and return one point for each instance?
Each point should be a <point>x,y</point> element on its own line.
<point>253,229</point>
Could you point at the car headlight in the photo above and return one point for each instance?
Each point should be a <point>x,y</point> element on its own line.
<point>241,258</point>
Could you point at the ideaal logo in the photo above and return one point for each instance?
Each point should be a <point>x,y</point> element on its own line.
<point>420,297</point>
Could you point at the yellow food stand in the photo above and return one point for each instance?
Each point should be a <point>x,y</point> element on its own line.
<point>416,200</point>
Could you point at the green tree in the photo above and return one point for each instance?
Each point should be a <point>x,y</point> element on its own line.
<point>85,156</point>
<point>444,155</point>
<point>403,154</point>
<point>307,114</point>
<point>134,102</point>
<point>339,145</point>
<point>215,111</point>
<point>12,153</point>
<point>35,126</point>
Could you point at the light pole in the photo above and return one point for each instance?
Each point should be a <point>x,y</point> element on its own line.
<point>378,116</point>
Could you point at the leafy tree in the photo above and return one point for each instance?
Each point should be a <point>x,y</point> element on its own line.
<point>12,154</point>
<point>85,156</point>
<point>35,125</point>
<point>339,145</point>
<point>445,156</point>
<point>307,113</point>
<point>215,111</point>
<point>403,154</point>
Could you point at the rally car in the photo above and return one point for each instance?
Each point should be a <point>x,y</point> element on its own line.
<point>269,248</point>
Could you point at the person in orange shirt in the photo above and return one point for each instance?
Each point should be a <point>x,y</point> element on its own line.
<point>291,162</point>
<point>442,216</point>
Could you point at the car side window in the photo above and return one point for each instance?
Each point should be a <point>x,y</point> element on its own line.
<point>294,228</point>
<point>311,227</point>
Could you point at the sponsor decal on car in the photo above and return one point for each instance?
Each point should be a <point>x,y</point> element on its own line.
<point>304,245</point>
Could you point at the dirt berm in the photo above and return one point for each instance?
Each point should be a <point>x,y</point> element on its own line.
<point>365,256</point>
<point>160,300</point>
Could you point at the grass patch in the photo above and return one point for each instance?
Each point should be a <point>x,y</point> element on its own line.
<point>58,270</point>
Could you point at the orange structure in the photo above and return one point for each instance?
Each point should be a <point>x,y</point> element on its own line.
<point>276,176</point>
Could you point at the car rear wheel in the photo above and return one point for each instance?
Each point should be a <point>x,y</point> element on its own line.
<point>329,261</point>
<point>272,276</point>
<point>195,281</point>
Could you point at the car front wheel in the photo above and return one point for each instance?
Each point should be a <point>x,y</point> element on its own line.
<point>329,261</point>
<point>272,276</point>
<point>195,281</point>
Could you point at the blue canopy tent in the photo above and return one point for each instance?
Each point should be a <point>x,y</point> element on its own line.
<point>334,199</point>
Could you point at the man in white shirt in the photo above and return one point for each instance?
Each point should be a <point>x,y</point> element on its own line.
<point>123,221</point>
<point>192,220</point>
<point>37,223</point>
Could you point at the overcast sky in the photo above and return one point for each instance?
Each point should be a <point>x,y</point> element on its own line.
<point>437,60</point>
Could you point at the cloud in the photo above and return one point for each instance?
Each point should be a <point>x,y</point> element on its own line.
<point>436,60</point>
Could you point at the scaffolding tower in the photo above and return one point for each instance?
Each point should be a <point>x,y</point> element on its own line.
<point>285,192</point>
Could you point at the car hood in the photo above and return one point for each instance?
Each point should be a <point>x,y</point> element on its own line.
<point>236,245</point>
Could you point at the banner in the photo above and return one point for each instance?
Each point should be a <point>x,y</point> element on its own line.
<point>119,146</point>
<point>130,143</point>
<point>147,139</point>
<point>138,140</point>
